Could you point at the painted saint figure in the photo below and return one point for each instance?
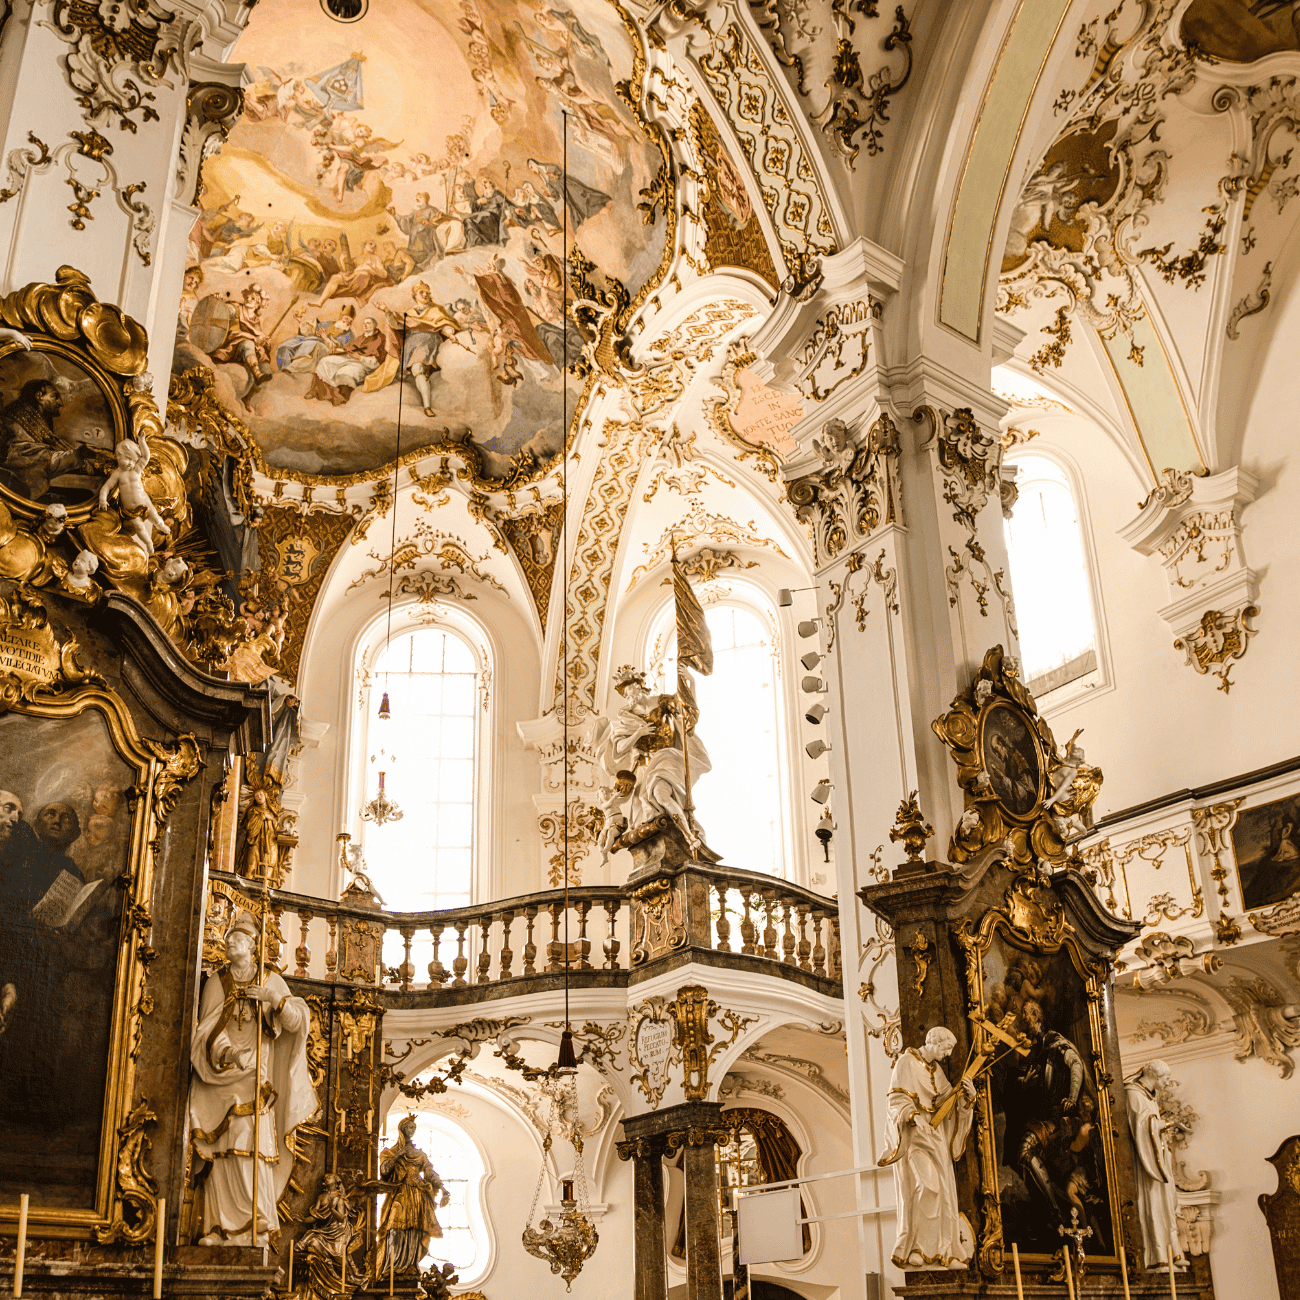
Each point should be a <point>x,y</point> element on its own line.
<point>932,1231</point>
<point>227,1076</point>
<point>1157,1197</point>
<point>409,1220</point>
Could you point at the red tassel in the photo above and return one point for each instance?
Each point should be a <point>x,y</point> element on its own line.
<point>567,1058</point>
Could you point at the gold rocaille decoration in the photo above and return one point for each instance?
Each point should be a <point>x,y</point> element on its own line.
<point>1007,763</point>
<point>911,828</point>
<point>693,1009</point>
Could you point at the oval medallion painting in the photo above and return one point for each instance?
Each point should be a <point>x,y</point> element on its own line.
<point>1010,756</point>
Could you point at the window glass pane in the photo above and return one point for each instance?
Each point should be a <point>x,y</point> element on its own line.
<point>427,753</point>
<point>1049,576</point>
<point>738,802</point>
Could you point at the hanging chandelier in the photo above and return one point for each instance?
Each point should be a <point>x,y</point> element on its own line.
<point>381,808</point>
<point>568,1243</point>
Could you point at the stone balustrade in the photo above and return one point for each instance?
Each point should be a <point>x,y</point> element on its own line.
<point>604,936</point>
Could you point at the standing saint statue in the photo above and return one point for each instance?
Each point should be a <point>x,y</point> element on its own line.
<point>932,1231</point>
<point>257,853</point>
<point>1157,1197</point>
<point>409,1220</point>
<point>233,1060</point>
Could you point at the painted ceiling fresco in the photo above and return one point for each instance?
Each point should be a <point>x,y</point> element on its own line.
<point>1241,31</point>
<point>410,167</point>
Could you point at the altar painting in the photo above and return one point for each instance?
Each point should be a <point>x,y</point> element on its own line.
<point>372,209</point>
<point>65,832</point>
<point>1046,1110</point>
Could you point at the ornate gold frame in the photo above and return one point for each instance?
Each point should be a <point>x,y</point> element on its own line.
<point>125,1194</point>
<point>1034,922</point>
<point>1033,834</point>
<point>66,320</point>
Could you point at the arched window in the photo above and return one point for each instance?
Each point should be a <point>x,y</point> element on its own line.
<point>742,802</point>
<point>453,1153</point>
<point>1049,578</point>
<point>428,752</point>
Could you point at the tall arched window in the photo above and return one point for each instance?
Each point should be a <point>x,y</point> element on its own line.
<point>742,802</point>
<point>1049,577</point>
<point>428,752</point>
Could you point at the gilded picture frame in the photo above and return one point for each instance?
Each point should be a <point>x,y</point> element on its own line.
<point>119,1204</point>
<point>1075,1148</point>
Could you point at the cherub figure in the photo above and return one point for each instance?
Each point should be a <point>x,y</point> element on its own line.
<point>835,446</point>
<point>80,570</point>
<point>139,513</point>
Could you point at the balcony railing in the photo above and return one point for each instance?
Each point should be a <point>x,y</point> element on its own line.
<point>606,936</point>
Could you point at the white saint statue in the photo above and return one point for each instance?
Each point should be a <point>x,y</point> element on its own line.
<point>1157,1197</point>
<point>224,1057</point>
<point>932,1231</point>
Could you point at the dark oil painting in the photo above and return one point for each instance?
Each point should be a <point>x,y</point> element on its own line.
<point>1266,844</point>
<point>1046,1123</point>
<point>1011,759</point>
<point>56,430</point>
<point>64,842</point>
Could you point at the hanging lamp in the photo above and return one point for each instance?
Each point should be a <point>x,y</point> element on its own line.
<point>568,1244</point>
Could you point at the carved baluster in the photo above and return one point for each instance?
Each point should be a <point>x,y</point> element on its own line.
<point>332,952</point>
<point>584,946</point>
<point>530,948</point>
<point>274,937</point>
<point>484,957</point>
<point>303,953</point>
<point>805,947</point>
<point>724,926</point>
<point>553,949</point>
<point>506,955</point>
<point>612,944</point>
<point>437,971</point>
<point>769,930</point>
<point>406,971</point>
<point>819,948</point>
<point>787,938</point>
<point>837,971</point>
<point>460,962</point>
<point>748,931</point>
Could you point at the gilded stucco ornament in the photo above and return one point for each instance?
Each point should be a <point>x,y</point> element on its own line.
<point>911,829</point>
<point>856,489</point>
<point>1220,638</point>
<point>693,1009</point>
<point>114,49</point>
<point>1009,768</point>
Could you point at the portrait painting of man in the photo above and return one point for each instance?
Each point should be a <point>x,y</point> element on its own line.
<point>1047,1131</point>
<point>55,427</point>
<point>60,918</point>
<point>1266,844</point>
<point>1011,759</point>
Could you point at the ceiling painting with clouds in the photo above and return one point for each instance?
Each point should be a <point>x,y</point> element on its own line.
<point>403,176</point>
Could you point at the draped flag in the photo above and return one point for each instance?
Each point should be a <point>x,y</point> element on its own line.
<point>694,645</point>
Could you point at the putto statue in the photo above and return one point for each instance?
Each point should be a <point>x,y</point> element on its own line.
<point>1157,1197</point>
<point>932,1231</point>
<point>251,1041</point>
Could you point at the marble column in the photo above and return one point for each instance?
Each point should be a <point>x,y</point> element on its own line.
<point>651,1269</point>
<point>703,1248</point>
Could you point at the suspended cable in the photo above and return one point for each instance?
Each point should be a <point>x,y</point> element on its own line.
<point>567,1056</point>
<point>384,710</point>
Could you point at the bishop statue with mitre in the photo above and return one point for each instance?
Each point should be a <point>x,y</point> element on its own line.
<point>251,1040</point>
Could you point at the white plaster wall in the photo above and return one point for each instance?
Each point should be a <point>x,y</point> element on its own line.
<point>1161,727</point>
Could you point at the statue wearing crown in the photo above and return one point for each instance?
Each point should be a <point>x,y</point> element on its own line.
<point>250,1089</point>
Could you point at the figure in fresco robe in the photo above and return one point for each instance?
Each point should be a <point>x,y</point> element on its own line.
<point>428,326</point>
<point>246,343</point>
<point>226,1078</point>
<point>932,1231</point>
<point>582,201</point>
<point>1157,1191</point>
<point>409,1220</point>
<point>33,452</point>
<point>342,371</point>
<point>500,297</point>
